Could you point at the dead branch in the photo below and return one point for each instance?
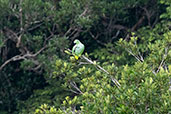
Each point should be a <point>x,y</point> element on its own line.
<point>21,57</point>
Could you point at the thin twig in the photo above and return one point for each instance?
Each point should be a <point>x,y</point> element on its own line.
<point>164,57</point>
<point>141,60</point>
<point>133,55</point>
<point>74,85</point>
<point>83,63</point>
<point>141,57</point>
<point>96,38</point>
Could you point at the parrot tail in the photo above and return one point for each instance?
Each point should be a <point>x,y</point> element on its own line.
<point>76,57</point>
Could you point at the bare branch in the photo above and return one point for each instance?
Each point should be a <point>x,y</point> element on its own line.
<point>74,91</point>
<point>141,57</point>
<point>96,38</point>
<point>21,25</point>
<point>68,31</point>
<point>8,61</point>
<point>116,35</point>
<point>135,26</point>
<point>154,23</point>
<point>74,85</point>
<point>76,34</point>
<point>115,82</point>
<point>74,31</point>
<point>21,57</point>
<point>149,14</point>
<point>164,57</point>
<point>83,63</point>
<point>84,12</point>
<point>138,23</point>
<point>11,34</point>
<point>34,27</point>
<point>120,27</point>
<point>141,60</point>
<point>133,55</point>
<point>18,41</point>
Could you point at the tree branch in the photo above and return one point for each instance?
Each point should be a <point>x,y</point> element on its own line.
<point>21,57</point>
<point>164,57</point>
<point>96,38</point>
<point>135,26</point>
<point>21,25</point>
<point>74,85</point>
<point>136,57</point>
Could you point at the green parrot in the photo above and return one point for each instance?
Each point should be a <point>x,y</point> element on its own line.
<point>78,49</point>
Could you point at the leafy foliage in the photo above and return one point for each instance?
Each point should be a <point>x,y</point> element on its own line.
<point>142,90</point>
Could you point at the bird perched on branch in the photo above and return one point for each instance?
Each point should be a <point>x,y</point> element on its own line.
<point>78,49</point>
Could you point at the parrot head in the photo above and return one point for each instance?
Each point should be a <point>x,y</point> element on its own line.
<point>76,41</point>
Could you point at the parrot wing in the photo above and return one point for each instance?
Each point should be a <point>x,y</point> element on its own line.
<point>79,49</point>
<point>73,49</point>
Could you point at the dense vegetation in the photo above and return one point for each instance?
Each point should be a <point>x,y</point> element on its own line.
<point>130,39</point>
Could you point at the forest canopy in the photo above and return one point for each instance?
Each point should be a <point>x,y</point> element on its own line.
<point>125,67</point>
